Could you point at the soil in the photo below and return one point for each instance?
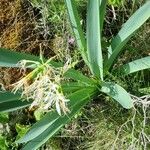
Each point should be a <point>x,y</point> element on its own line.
<point>18,32</point>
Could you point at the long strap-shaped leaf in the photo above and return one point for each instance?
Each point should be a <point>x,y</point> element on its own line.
<point>76,26</point>
<point>10,102</point>
<point>94,38</point>
<point>77,76</point>
<point>71,87</point>
<point>9,58</point>
<point>134,22</point>
<point>103,4</point>
<point>6,96</point>
<point>118,93</point>
<point>134,66</point>
<point>39,127</point>
<point>41,132</point>
<point>13,106</point>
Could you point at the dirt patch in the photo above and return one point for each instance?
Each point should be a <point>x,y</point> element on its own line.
<point>18,32</point>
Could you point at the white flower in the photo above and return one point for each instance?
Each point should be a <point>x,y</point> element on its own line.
<point>43,86</point>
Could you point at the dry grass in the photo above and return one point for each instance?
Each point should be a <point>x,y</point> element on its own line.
<point>17,31</point>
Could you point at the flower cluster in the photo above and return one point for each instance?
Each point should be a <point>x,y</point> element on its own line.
<point>43,86</point>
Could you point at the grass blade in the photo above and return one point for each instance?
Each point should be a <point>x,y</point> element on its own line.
<point>134,66</point>
<point>134,22</point>
<point>94,38</point>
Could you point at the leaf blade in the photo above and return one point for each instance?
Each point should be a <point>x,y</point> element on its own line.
<point>14,105</point>
<point>134,66</point>
<point>72,87</point>
<point>128,29</point>
<point>11,102</point>
<point>6,96</point>
<point>78,76</point>
<point>76,26</point>
<point>103,4</point>
<point>77,100</point>
<point>94,50</point>
<point>10,58</point>
<point>117,93</point>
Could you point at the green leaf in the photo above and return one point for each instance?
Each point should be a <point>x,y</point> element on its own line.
<point>3,143</point>
<point>7,60</point>
<point>71,87</point>
<point>38,114</point>
<point>40,127</point>
<point>14,105</point>
<point>115,2</point>
<point>103,4</point>
<point>10,102</point>
<point>78,76</point>
<point>21,130</point>
<point>52,122</point>
<point>76,26</point>
<point>4,118</point>
<point>117,93</point>
<point>134,22</point>
<point>6,96</point>
<point>94,38</point>
<point>134,66</point>
<point>10,58</point>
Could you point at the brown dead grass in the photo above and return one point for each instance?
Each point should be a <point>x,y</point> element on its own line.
<point>9,32</point>
<point>18,32</point>
<point>15,18</point>
<point>8,10</point>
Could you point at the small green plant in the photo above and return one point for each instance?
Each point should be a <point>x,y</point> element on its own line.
<point>51,12</point>
<point>115,2</point>
<point>66,88</point>
<point>3,143</point>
